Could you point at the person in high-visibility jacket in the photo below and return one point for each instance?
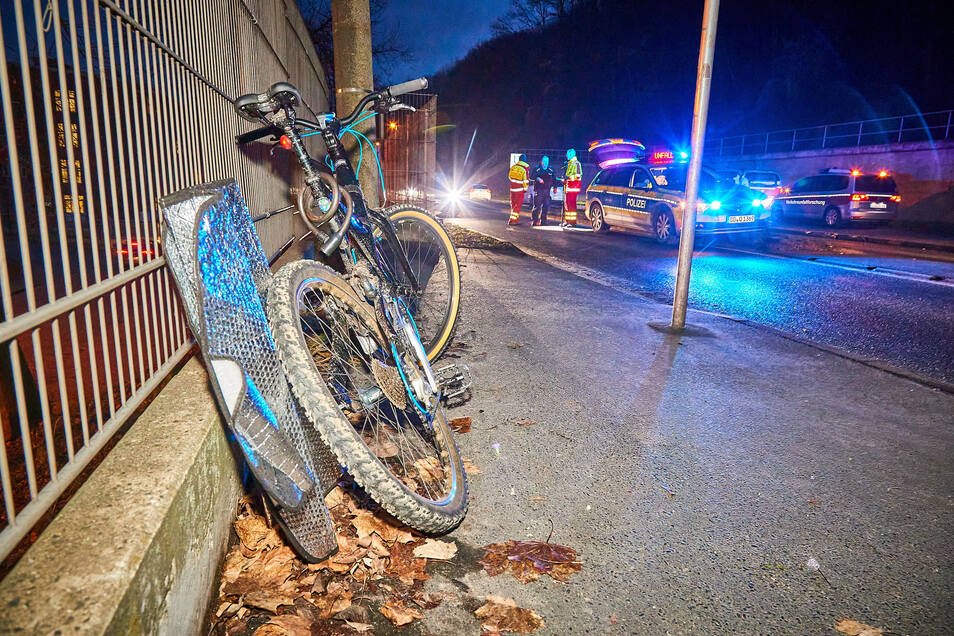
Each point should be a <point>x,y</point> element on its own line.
<point>572,184</point>
<point>519,182</point>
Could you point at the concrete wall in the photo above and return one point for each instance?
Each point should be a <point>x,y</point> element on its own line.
<point>924,172</point>
<point>137,548</point>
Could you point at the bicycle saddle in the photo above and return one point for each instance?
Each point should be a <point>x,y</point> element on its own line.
<point>254,106</point>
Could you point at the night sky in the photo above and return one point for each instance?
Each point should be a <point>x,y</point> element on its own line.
<point>437,32</point>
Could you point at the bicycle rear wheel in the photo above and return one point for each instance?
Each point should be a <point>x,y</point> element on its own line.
<point>433,260</point>
<point>354,386</point>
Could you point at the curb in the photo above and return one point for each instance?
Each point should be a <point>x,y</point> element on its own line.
<point>858,238</point>
<point>619,285</point>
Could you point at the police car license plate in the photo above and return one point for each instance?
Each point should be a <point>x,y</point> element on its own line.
<point>746,218</point>
<point>878,206</point>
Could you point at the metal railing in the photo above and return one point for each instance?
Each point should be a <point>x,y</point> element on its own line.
<point>935,126</point>
<point>106,106</point>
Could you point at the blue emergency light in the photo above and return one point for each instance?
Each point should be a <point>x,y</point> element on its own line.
<point>616,151</point>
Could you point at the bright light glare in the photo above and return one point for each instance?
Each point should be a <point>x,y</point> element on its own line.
<point>767,202</point>
<point>715,205</point>
<point>756,203</point>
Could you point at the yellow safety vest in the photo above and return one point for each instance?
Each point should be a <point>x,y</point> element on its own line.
<point>519,177</point>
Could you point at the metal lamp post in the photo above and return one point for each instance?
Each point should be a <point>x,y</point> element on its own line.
<point>710,17</point>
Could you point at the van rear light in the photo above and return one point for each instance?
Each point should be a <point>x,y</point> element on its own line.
<point>896,198</point>
<point>859,197</point>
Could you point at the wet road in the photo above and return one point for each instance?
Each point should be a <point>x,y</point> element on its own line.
<point>893,307</point>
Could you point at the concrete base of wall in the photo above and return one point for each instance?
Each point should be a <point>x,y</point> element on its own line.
<point>136,550</point>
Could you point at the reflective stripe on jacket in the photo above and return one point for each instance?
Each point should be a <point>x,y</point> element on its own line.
<point>519,179</point>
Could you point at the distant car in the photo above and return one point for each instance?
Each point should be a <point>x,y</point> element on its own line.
<point>479,191</point>
<point>648,199</point>
<point>765,181</point>
<point>837,196</point>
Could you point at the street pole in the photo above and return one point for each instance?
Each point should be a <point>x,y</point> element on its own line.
<point>351,36</point>
<point>700,111</point>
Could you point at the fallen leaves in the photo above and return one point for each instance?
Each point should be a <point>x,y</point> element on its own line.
<point>500,614</point>
<point>527,560</point>
<point>470,467</point>
<point>378,561</point>
<point>434,549</point>
<point>460,424</point>
<point>854,628</point>
<point>400,614</point>
<point>515,345</point>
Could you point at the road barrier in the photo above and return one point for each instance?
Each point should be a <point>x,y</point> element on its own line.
<point>934,126</point>
<point>108,105</point>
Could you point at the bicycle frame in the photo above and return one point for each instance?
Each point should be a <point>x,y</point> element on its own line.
<point>356,221</point>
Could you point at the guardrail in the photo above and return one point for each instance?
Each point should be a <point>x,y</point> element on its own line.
<point>934,126</point>
<point>107,105</point>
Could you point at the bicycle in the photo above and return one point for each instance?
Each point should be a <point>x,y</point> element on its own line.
<point>348,339</point>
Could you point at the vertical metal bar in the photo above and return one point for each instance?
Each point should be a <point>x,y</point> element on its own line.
<point>97,143</point>
<point>51,143</point>
<point>61,382</point>
<point>40,365</point>
<point>69,144</point>
<point>700,112</point>
<point>794,133</point>
<point>107,367</point>
<point>6,97</point>
<point>947,129</point>
<point>26,440</point>
<point>5,481</point>
<point>860,125</point>
<point>79,382</point>
<point>900,129</point>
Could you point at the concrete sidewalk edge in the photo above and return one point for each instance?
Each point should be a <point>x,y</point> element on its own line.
<point>859,238</point>
<point>621,285</point>
<point>137,548</point>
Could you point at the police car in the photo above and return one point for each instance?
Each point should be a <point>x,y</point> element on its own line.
<point>645,193</point>
<point>836,196</point>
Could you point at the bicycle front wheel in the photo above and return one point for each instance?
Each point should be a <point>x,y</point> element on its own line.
<point>356,389</point>
<point>432,257</point>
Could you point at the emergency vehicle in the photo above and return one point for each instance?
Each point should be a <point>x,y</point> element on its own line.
<point>644,192</point>
<point>836,196</point>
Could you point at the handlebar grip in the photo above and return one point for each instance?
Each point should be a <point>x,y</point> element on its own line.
<point>407,87</point>
<point>256,134</point>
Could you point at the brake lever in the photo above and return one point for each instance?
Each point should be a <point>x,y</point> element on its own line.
<point>401,106</point>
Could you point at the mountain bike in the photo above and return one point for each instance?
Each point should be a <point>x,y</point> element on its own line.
<point>351,332</point>
<point>425,269</point>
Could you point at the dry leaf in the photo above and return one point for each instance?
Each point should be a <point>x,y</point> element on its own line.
<point>527,560</point>
<point>290,624</point>
<point>470,467</point>
<point>460,424</point>
<point>434,549</point>
<point>405,566</point>
<point>429,469</point>
<point>525,423</point>
<point>360,627</point>
<point>514,345</point>
<point>255,535</point>
<point>537,499</point>
<point>500,614</point>
<point>366,523</point>
<point>398,613</point>
<point>383,448</point>
<point>854,628</point>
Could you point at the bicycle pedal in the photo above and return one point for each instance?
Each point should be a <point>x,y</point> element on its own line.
<point>454,380</point>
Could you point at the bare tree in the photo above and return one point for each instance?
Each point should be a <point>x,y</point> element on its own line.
<point>386,47</point>
<point>531,15</point>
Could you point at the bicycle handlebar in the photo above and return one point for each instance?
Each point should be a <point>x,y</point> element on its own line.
<point>406,87</point>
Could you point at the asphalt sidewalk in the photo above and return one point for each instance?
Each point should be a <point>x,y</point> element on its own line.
<point>723,481</point>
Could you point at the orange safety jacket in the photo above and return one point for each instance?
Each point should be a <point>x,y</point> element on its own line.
<point>574,175</point>
<point>519,177</point>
